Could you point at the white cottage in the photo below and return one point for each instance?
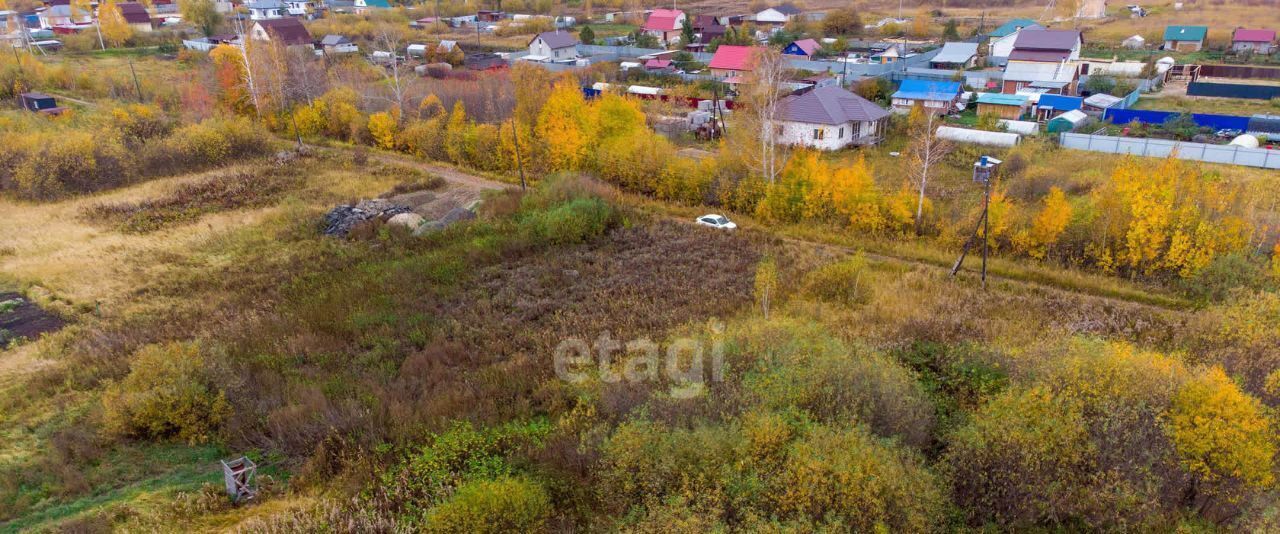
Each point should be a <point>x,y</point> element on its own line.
<point>829,118</point>
<point>552,46</point>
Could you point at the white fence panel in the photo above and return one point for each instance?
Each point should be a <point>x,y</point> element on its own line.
<point>1161,148</point>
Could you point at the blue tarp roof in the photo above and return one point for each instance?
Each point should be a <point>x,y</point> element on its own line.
<point>1012,26</point>
<point>1001,99</point>
<point>1185,33</point>
<point>1060,103</point>
<point>927,90</point>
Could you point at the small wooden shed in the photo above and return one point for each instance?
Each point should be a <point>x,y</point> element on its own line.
<point>1010,107</point>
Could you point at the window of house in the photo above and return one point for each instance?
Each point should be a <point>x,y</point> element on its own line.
<point>841,132</point>
<point>818,134</point>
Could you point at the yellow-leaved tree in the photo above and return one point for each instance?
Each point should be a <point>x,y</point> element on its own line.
<point>1223,435</point>
<point>383,127</point>
<point>1047,226</point>
<point>564,127</point>
<point>786,199</point>
<point>455,139</point>
<point>111,22</point>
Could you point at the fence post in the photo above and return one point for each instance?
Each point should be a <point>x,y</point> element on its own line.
<point>1146,146</point>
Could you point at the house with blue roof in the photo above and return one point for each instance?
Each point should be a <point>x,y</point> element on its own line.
<point>364,5</point>
<point>934,96</point>
<point>1050,106</point>
<point>1005,106</point>
<point>1011,27</point>
<point>1185,38</point>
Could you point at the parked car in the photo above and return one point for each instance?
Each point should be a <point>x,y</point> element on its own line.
<point>716,221</point>
<point>1228,133</point>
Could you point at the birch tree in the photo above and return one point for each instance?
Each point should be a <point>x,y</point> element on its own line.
<point>925,151</point>
<point>396,72</point>
<point>762,93</point>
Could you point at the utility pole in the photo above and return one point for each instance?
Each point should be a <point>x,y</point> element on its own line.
<point>984,171</point>
<point>137,85</point>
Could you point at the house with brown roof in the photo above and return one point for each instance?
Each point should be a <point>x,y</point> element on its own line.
<point>1254,41</point>
<point>136,16</point>
<point>288,31</point>
<point>829,118</point>
<point>665,25</point>
<point>1044,60</point>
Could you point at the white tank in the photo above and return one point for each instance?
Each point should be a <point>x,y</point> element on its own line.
<point>1245,140</point>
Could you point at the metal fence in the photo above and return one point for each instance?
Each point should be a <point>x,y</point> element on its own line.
<point>1160,148</point>
<point>203,46</point>
<point>1233,90</point>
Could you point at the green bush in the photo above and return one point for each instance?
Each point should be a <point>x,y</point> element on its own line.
<point>575,221</point>
<point>502,505</point>
<point>843,282</point>
<point>170,392</point>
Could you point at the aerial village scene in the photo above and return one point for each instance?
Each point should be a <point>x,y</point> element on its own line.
<point>554,266</point>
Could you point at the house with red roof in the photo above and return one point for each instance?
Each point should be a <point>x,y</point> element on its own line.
<point>829,118</point>
<point>665,25</point>
<point>804,47</point>
<point>1255,41</point>
<point>658,65</point>
<point>732,60</point>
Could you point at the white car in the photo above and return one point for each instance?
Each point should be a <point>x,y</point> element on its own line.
<point>716,221</point>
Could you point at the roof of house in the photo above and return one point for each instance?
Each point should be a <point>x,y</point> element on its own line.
<point>1041,39</point>
<point>998,99</point>
<point>134,13</point>
<point>334,40</point>
<point>732,57</point>
<point>956,53</point>
<point>377,3</point>
<point>787,9</point>
<point>1102,100</point>
<point>657,64</point>
<point>1035,71</point>
<point>288,30</point>
<point>1253,36</point>
<point>1185,33</point>
<point>808,46</point>
<point>266,4</point>
<point>829,105</point>
<point>1039,55</point>
<point>1136,38</point>
<point>1060,102</point>
<point>664,20</point>
<point>927,90</point>
<point>1012,26</point>
<point>556,39</point>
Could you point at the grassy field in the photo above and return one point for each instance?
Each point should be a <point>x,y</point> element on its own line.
<point>1220,106</point>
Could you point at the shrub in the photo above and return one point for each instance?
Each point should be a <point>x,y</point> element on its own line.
<point>74,162</point>
<point>843,282</point>
<point>208,143</point>
<point>574,221</point>
<point>170,392</point>
<point>502,505</point>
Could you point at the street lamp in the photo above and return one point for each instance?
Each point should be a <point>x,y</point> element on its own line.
<point>984,170</point>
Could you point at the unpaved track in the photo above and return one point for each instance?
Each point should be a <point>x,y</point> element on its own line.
<point>459,177</point>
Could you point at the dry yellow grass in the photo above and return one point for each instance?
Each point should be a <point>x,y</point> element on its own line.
<point>47,245</point>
